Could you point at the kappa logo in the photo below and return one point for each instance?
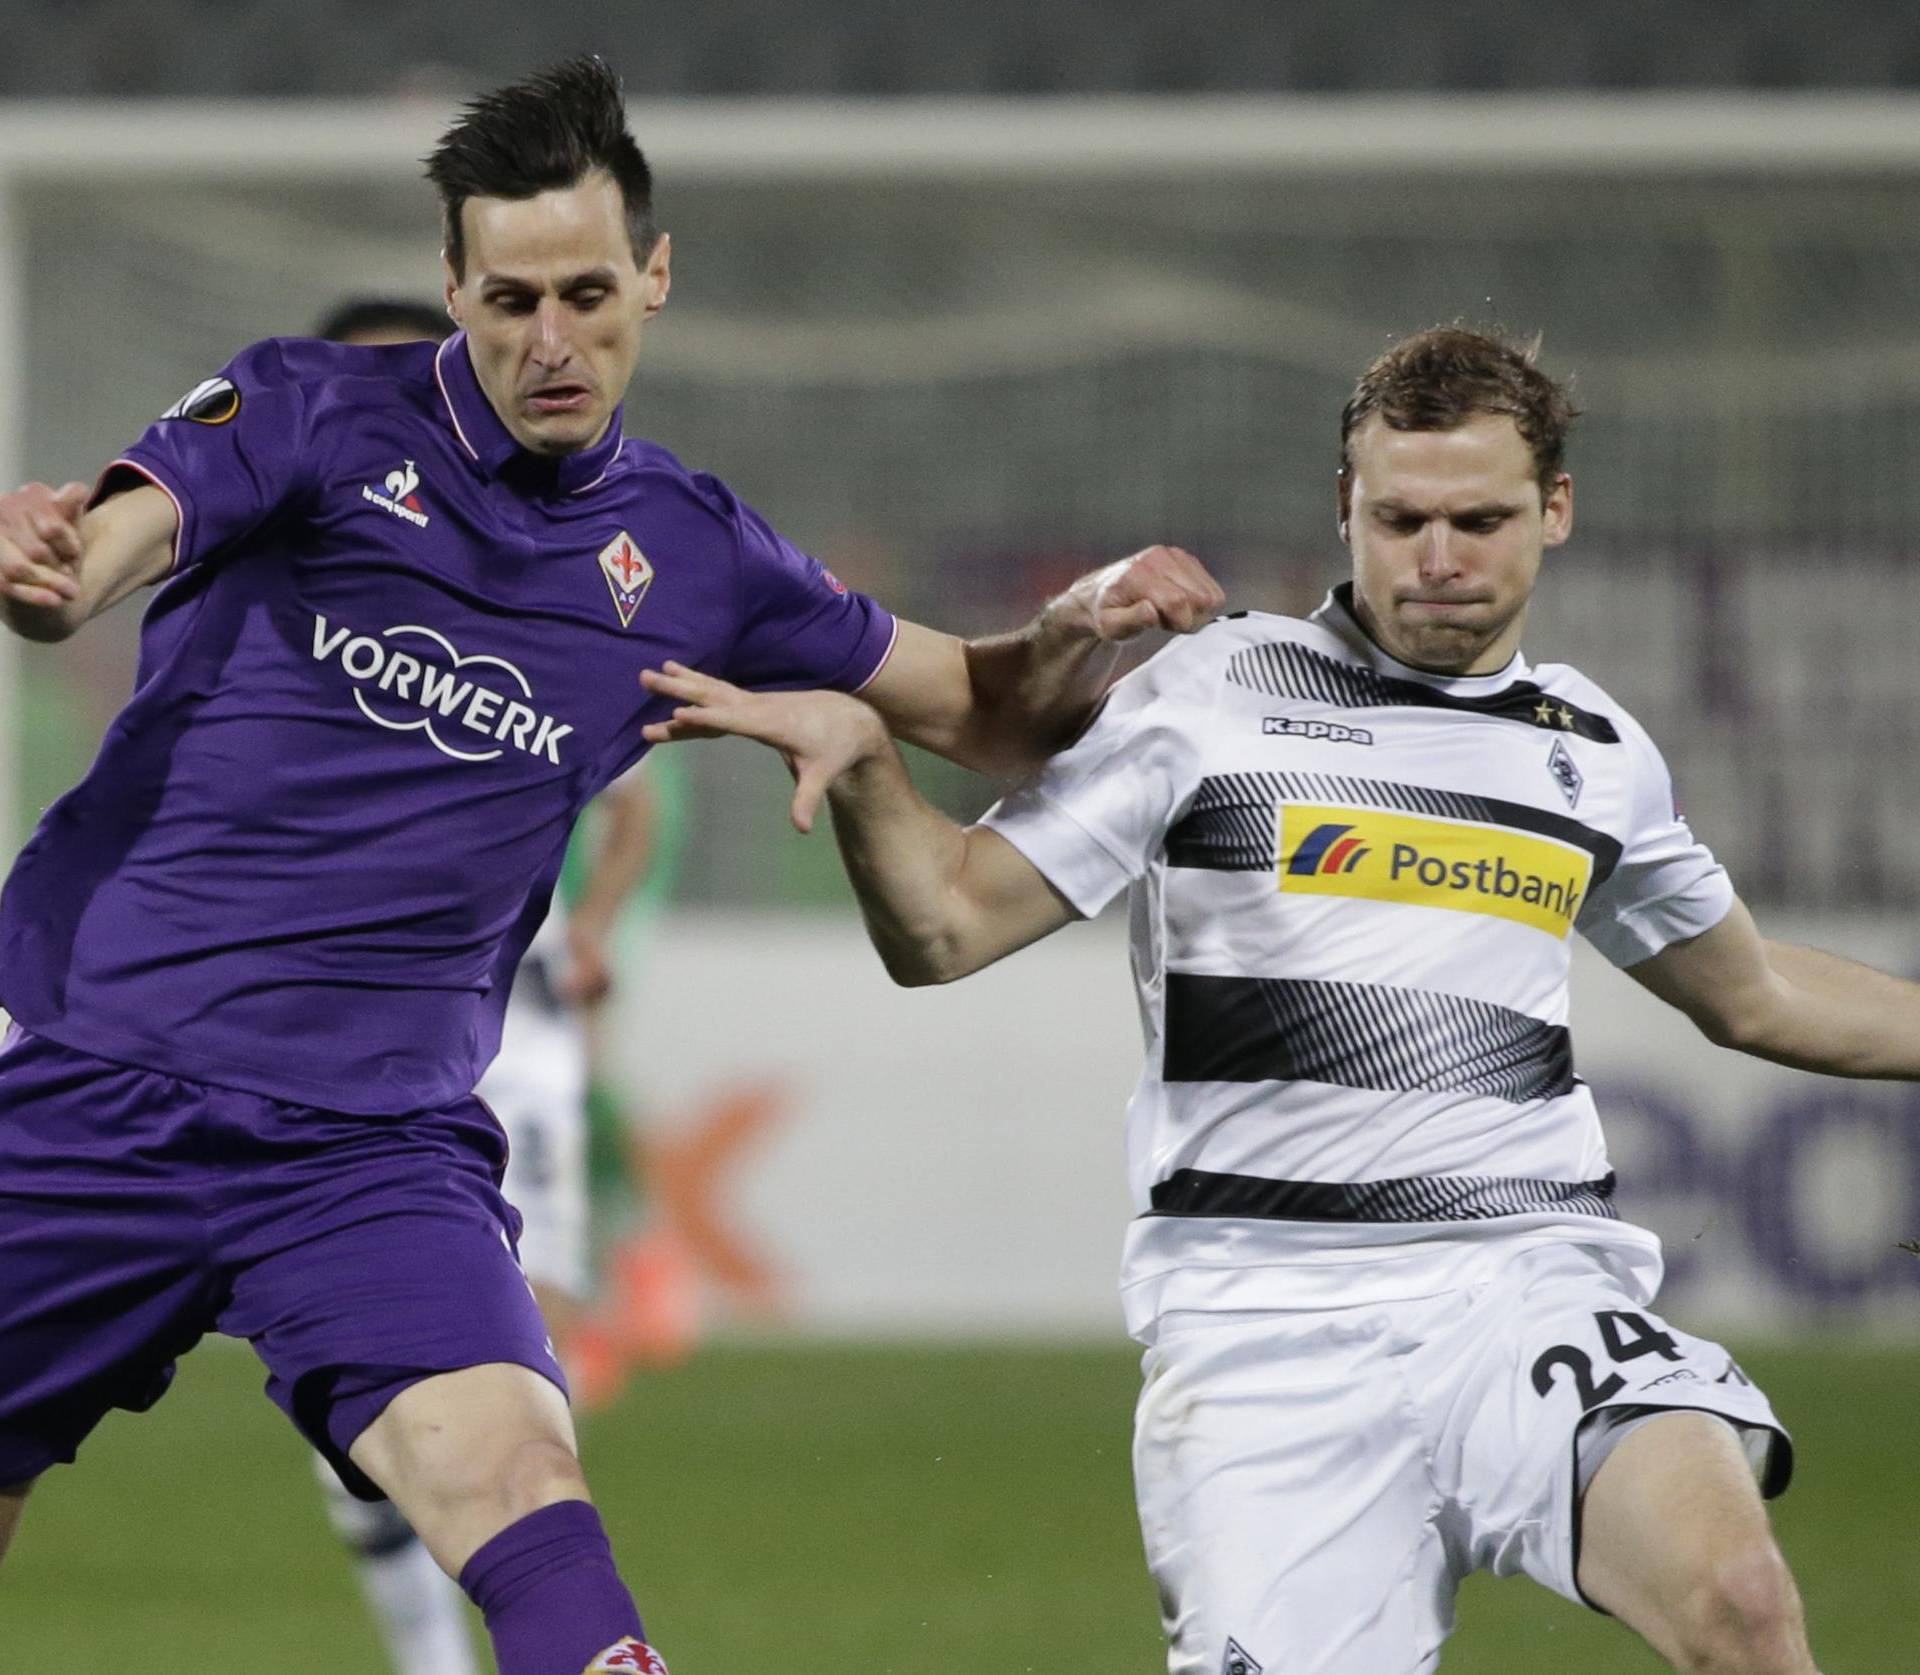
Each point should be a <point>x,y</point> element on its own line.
<point>427,689</point>
<point>401,498</point>
<point>1330,732</point>
<point>213,401</point>
<point>629,574</point>
<point>627,1657</point>
<point>1566,772</point>
<point>1238,1661</point>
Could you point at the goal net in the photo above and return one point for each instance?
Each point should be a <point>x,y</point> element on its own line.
<point>963,351</point>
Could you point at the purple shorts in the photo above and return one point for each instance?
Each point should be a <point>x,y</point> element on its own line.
<point>138,1211</point>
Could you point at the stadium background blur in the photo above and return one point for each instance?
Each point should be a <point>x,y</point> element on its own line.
<point>967,299</point>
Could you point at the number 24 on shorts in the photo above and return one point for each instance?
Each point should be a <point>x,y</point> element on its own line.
<point>1627,1337</point>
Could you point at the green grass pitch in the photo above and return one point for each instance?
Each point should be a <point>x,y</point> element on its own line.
<point>822,1511</point>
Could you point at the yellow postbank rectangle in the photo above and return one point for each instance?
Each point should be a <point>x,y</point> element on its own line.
<point>1327,850</point>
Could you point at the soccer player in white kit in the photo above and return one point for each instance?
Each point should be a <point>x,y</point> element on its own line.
<point>1396,1330</point>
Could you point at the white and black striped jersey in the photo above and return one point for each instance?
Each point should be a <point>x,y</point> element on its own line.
<point>1354,885</point>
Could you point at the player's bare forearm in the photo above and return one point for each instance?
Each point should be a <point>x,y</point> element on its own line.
<point>1792,1005</point>
<point>61,565</point>
<point>940,900</point>
<point>1840,1017</point>
<point>1033,692</point>
<point>903,858</point>
<point>1004,703</point>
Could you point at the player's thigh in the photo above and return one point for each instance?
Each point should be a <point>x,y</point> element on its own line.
<point>465,1454</point>
<point>1285,1506</point>
<point>388,1267</point>
<point>13,1502</point>
<point>1555,1338</point>
<point>1676,1543</point>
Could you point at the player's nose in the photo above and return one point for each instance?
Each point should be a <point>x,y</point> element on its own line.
<point>1439,555</point>
<point>550,340</point>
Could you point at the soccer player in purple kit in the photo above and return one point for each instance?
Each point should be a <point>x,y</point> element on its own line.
<point>257,958</point>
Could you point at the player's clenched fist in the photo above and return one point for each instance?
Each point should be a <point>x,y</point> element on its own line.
<point>1158,587</point>
<point>40,543</point>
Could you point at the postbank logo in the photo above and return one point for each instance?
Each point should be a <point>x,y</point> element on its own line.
<point>1456,864</point>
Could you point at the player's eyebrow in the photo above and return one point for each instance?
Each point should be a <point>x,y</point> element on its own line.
<point>1395,507</point>
<point>603,276</point>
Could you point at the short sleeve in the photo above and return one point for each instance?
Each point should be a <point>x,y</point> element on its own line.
<point>1094,818</point>
<point>229,453</point>
<point>1667,887</point>
<point>801,626</point>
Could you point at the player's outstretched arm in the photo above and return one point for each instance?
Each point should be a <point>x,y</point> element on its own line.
<point>1003,704</point>
<point>940,900</point>
<point>61,564</point>
<point>1794,1005</point>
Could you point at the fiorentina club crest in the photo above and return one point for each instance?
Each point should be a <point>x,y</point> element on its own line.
<point>630,1657</point>
<point>628,574</point>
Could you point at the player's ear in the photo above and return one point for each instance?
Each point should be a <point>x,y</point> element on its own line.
<point>1343,478</point>
<point>452,289</point>
<point>656,278</point>
<point>1556,518</point>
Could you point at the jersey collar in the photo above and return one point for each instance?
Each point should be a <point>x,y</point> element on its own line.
<point>491,446</point>
<point>1337,615</point>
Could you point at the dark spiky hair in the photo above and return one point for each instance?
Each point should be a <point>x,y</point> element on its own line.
<point>543,134</point>
<point>1440,378</point>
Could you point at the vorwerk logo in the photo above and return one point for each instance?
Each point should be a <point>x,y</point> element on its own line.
<point>423,690</point>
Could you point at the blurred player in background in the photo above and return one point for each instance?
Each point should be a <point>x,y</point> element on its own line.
<point>258,959</point>
<point>1396,1330</point>
<point>537,1088</point>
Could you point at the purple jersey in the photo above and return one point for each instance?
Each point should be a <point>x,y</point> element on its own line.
<point>396,657</point>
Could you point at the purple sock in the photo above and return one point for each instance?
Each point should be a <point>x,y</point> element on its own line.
<point>553,1602</point>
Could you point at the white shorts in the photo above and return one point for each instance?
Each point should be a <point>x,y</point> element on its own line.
<point>1314,1485</point>
<point>537,1088</point>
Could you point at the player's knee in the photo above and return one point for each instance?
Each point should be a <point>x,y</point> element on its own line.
<point>538,1472</point>
<point>1744,1616</point>
<point>503,1481</point>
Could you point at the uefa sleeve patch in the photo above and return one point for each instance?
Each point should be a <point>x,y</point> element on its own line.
<point>214,401</point>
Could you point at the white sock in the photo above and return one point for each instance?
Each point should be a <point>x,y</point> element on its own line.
<point>421,1612</point>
